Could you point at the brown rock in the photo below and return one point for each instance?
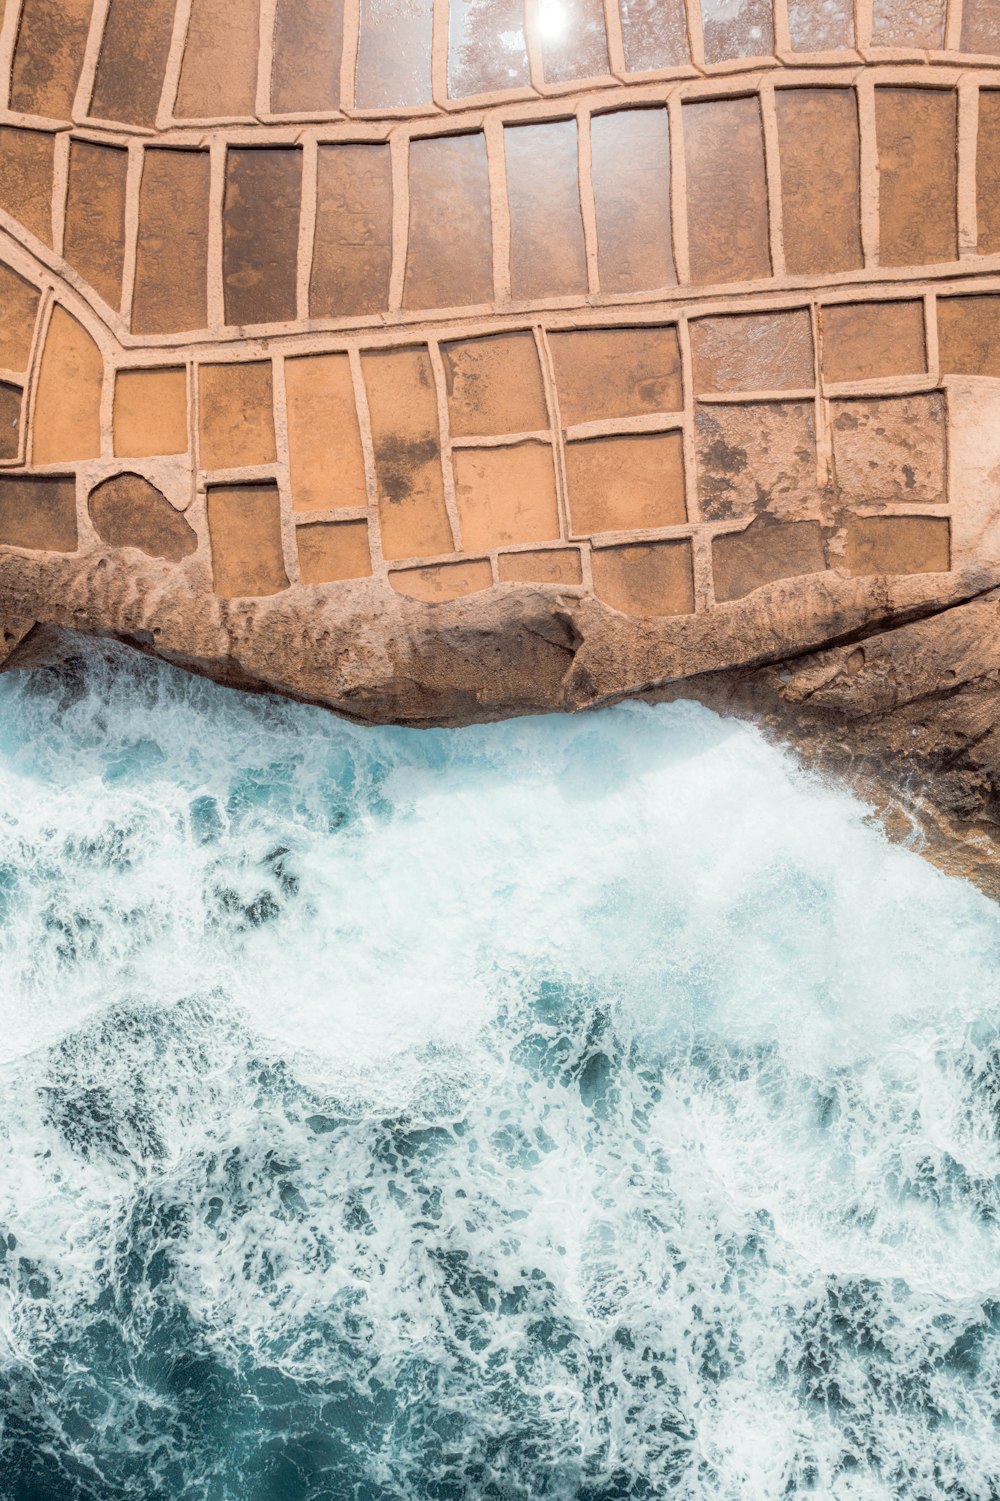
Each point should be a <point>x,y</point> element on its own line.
<point>235,416</point>
<point>94,237</point>
<point>755,352</point>
<point>890,448</point>
<point>26,166</point>
<point>916,131</point>
<point>980,27</point>
<point>38,511</point>
<point>151,412</point>
<point>969,335</point>
<point>18,312</point>
<point>127,511</point>
<point>550,565</point>
<point>171,273</point>
<point>616,372</point>
<point>402,403</point>
<point>764,552</point>
<point>494,386</point>
<point>647,578</point>
<point>443,581</point>
<point>260,234</point>
<point>869,340</point>
<point>333,550</point>
<point>506,495</point>
<point>305,71</point>
<point>634,482</point>
<point>547,255</point>
<point>218,78</point>
<point>820,191</point>
<point>324,440</point>
<point>11,401</point>
<point>726,191</point>
<point>133,61</point>
<point>898,544</point>
<point>630,172</point>
<point>352,250</point>
<point>66,423</point>
<point>449,257</point>
<point>244,526</point>
<point>756,457</point>
<point>48,57</point>
<point>988,172</point>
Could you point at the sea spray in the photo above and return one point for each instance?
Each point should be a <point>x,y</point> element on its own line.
<point>582,1108</point>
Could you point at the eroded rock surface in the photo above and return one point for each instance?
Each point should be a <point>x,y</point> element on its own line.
<point>910,716</point>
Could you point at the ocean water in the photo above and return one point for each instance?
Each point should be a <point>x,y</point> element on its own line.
<point>584,1109</point>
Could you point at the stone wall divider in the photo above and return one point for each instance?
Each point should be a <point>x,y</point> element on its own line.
<point>172,72</point>
<point>968,142</point>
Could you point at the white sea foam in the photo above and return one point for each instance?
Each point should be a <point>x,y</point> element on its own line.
<point>588,1108</point>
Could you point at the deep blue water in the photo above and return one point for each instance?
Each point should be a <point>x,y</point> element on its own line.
<point>591,1108</point>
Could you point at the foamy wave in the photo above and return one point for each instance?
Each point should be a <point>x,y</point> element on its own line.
<point>588,1108</point>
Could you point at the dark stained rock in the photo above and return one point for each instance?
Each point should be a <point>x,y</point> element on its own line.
<point>38,512</point>
<point>128,511</point>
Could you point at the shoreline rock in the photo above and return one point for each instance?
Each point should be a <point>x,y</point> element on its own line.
<point>904,711</point>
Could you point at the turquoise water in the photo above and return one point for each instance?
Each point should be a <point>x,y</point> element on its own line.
<point>586,1108</point>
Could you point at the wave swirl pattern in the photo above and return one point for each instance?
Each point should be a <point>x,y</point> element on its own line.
<point>591,1109</point>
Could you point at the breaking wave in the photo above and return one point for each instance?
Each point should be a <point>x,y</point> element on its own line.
<point>584,1109</point>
